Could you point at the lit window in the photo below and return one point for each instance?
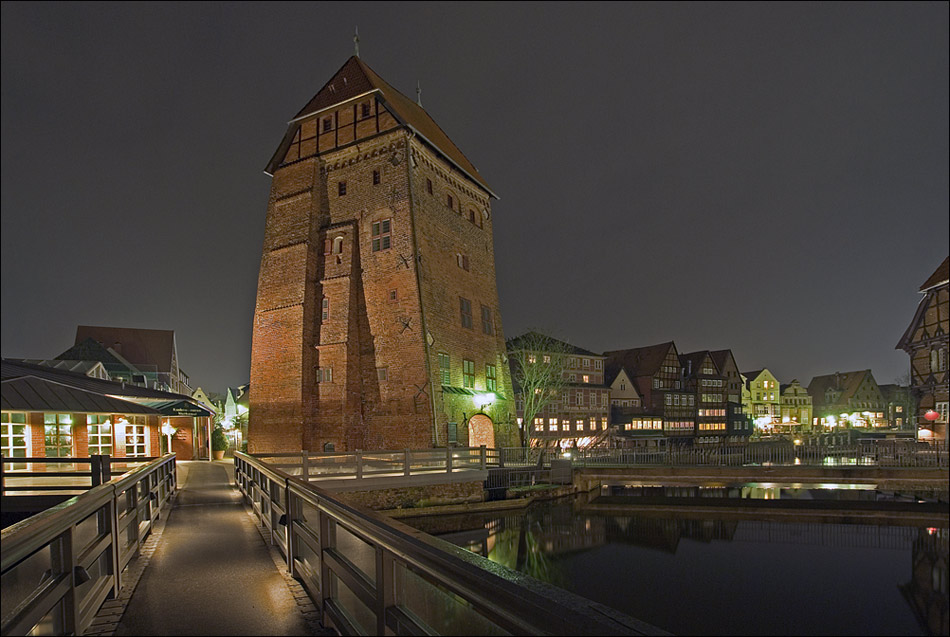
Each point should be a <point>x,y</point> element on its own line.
<point>382,235</point>
<point>135,438</point>
<point>58,435</point>
<point>547,359</point>
<point>325,314</point>
<point>13,435</point>
<point>100,434</point>
<point>490,378</point>
<point>586,378</point>
<point>468,374</point>
<point>324,374</point>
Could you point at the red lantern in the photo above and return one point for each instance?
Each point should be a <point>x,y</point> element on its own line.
<point>932,415</point>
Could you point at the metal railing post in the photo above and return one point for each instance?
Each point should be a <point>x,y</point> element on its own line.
<point>448,459</point>
<point>406,465</point>
<point>482,451</point>
<point>95,469</point>
<point>359,464</point>
<point>106,467</point>
<point>305,463</point>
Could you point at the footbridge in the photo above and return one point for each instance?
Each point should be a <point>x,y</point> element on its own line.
<point>260,546</point>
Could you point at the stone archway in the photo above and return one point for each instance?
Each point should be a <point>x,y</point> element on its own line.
<point>481,431</point>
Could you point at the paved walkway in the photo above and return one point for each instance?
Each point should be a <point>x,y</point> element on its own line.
<point>211,573</point>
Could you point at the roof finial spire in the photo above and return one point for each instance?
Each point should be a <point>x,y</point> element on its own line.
<point>418,93</point>
<point>356,41</point>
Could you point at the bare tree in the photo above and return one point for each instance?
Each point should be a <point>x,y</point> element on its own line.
<point>537,366</point>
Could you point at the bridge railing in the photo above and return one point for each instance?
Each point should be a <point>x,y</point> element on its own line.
<point>369,574</point>
<point>370,464</point>
<point>878,453</point>
<point>62,474</point>
<point>61,564</point>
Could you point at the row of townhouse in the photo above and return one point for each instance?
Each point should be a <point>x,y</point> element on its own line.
<point>644,396</point>
<point>852,399</point>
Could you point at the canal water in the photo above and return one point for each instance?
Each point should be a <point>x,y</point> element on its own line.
<point>693,573</point>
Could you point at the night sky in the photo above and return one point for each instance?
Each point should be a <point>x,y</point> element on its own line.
<point>771,179</point>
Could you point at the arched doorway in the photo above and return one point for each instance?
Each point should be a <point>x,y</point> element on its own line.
<point>481,431</point>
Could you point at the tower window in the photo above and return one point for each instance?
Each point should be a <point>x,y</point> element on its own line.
<point>488,326</point>
<point>376,178</point>
<point>341,188</point>
<point>394,295</point>
<point>382,373</point>
<point>382,237</point>
<point>463,261</point>
<point>337,245</point>
<point>327,124</point>
<point>365,109</point>
<point>465,307</point>
<point>450,202</point>
<point>325,314</point>
<point>445,369</point>
<point>491,380</point>
<point>468,374</point>
<point>324,374</point>
<point>429,186</point>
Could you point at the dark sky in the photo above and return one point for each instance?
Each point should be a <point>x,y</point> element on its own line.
<point>768,178</point>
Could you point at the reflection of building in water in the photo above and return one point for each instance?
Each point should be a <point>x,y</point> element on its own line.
<point>926,592</point>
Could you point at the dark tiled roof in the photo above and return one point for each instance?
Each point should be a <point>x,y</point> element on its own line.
<point>138,346</point>
<point>640,361</point>
<point>89,349</point>
<point>355,78</point>
<point>845,382</point>
<point>721,356</point>
<point>29,393</point>
<point>940,275</point>
<point>697,358</point>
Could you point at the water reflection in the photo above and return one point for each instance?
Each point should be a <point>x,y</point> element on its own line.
<point>699,574</point>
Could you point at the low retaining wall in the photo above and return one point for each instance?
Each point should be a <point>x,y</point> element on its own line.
<point>457,493</point>
<point>883,477</point>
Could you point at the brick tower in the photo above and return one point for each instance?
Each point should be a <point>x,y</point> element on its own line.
<point>377,322</point>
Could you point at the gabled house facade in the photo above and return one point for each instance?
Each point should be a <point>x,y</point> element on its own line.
<point>703,378</point>
<point>847,399</point>
<point>631,424</point>
<point>762,398</point>
<point>739,426</point>
<point>927,341</point>
<point>658,377</point>
<point>796,406</point>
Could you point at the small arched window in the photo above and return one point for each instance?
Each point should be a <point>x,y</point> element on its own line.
<point>338,245</point>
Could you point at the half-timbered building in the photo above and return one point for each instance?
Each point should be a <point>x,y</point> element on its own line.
<point>926,342</point>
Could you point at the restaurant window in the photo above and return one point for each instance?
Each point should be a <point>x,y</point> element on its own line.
<point>382,235</point>
<point>136,438</point>
<point>100,434</point>
<point>468,374</point>
<point>13,438</point>
<point>58,433</point>
<point>445,368</point>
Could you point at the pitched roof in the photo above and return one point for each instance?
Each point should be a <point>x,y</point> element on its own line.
<point>640,361</point>
<point>940,275</point>
<point>138,346</point>
<point>355,78</point>
<point>720,356</point>
<point>29,393</point>
<point>693,361</point>
<point>845,382</point>
<point>78,366</point>
<point>14,369</point>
